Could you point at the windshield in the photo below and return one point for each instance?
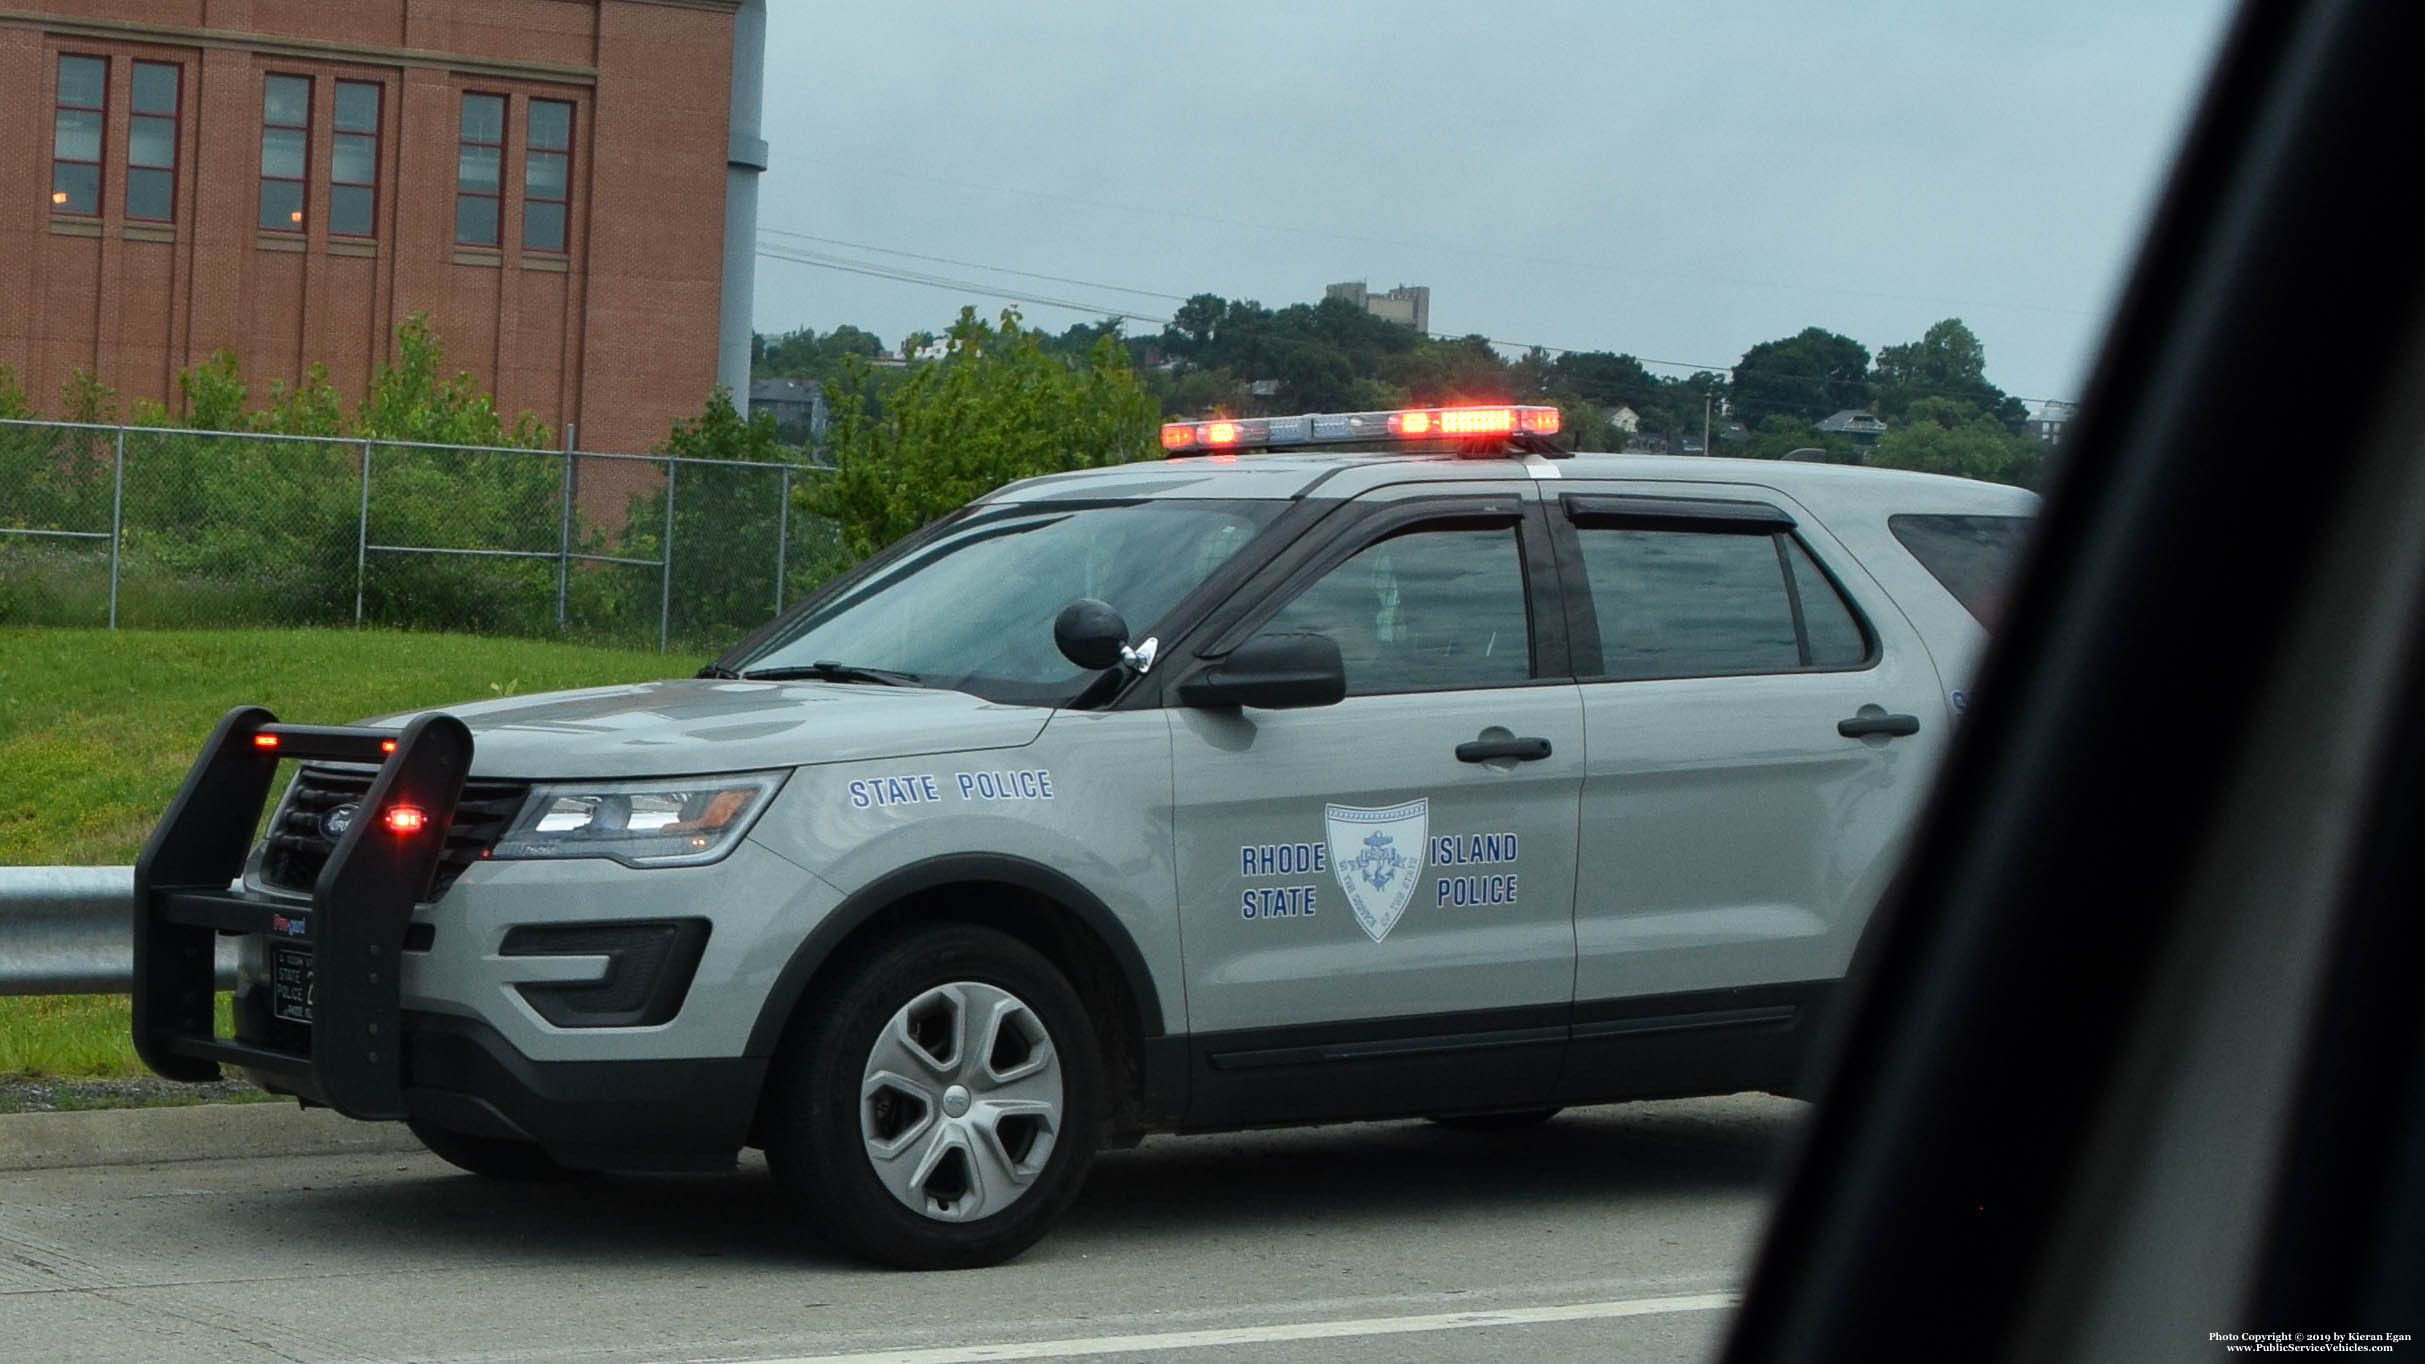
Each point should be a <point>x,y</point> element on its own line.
<point>972,608</point>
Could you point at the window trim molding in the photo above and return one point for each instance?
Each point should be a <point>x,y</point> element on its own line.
<point>505,133</point>
<point>378,154</point>
<point>100,161</point>
<point>303,183</point>
<point>572,137</point>
<point>176,142</point>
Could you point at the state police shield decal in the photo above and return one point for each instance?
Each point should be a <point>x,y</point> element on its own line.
<point>1378,856</point>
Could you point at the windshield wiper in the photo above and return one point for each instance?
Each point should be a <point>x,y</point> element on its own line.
<point>826,670</point>
<point>715,670</point>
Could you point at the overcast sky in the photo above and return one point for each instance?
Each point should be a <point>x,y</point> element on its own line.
<point>1678,179</point>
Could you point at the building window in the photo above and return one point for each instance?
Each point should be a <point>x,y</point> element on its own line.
<point>151,143</point>
<point>479,170</point>
<point>286,117</point>
<point>353,162</point>
<point>76,135</point>
<point>547,175</point>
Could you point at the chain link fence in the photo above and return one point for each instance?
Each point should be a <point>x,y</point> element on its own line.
<point>131,526</point>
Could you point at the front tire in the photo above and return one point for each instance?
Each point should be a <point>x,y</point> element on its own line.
<point>941,1109</point>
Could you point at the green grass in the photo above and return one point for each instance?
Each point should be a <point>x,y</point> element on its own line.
<point>98,727</point>
<point>72,1035</point>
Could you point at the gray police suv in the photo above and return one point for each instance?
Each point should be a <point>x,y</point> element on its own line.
<point>1220,791</point>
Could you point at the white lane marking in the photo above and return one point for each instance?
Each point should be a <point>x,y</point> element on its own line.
<point>1283,1331</point>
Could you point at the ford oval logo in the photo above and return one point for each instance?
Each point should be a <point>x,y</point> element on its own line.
<point>334,823</point>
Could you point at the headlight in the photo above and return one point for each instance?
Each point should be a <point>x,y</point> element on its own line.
<point>662,822</point>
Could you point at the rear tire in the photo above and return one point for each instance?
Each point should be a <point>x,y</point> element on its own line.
<point>941,1108</point>
<point>519,1162</point>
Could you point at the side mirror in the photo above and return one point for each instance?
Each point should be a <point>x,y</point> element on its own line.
<point>1090,634</point>
<point>1272,672</point>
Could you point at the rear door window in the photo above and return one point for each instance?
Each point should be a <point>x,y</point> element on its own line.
<point>1973,556</point>
<point>1697,603</point>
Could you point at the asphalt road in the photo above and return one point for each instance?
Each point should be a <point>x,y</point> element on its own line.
<point>1610,1234</point>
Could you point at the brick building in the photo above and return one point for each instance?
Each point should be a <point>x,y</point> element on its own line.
<point>288,179</point>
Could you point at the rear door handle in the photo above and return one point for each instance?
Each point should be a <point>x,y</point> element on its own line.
<point>1483,750</point>
<point>1862,726</point>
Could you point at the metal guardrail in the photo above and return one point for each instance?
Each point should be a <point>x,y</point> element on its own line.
<point>70,931</point>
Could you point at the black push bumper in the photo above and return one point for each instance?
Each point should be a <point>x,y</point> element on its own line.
<point>350,1055</point>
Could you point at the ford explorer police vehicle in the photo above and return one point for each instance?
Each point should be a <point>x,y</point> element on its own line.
<point>1426,770</point>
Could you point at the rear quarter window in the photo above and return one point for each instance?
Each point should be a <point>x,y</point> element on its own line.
<point>1974,557</point>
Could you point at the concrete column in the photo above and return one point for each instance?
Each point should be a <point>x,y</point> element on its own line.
<point>744,158</point>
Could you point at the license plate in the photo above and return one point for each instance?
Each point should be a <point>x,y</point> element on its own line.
<point>290,986</point>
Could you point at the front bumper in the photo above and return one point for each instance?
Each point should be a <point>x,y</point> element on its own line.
<point>601,1011</point>
<point>461,1075</point>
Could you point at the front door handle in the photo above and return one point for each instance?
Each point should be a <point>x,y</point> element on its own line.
<point>1483,750</point>
<point>1873,721</point>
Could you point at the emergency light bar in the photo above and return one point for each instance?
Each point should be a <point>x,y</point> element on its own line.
<point>1341,428</point>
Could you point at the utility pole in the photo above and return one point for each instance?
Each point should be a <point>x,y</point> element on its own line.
<point>1706,395</point>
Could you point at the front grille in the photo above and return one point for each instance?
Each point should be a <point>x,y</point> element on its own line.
<point>297,849</point>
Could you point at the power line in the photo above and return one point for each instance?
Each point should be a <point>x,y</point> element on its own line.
<point>1563,263</point>
<point>824,261</point>
<point>822,258</point>
<point>968,265</point>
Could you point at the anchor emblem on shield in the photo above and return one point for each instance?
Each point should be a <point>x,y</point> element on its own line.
<point>1378,856</point>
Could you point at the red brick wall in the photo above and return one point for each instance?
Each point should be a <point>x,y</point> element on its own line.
<point>618,334</point>
<point>656,253</point>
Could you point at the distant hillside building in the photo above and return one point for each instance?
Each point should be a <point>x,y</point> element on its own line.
<point>1408,305</point>
<point>547,179</point>
<point>791,402</point>
<point>1861,428</point>
<point>2047,419</point>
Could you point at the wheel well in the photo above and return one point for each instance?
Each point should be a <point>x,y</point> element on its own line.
<point>1034,918</point>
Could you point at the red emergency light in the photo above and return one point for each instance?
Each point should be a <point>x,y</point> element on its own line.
<point>1367,428</point>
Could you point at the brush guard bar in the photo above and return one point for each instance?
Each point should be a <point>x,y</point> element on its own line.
<point>354,926</point>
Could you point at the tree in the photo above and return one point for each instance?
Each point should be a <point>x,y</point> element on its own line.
<point>1080,338</point>
<point>1465,370</point>
<point>1812,375</point>
<point>215,394</point>
<point>997,407</point>
<point>410,399</point>
<point>1609,380</point>
<point>1948,361</point>
<point>85,398</point>
<point>1779,435</point>
<point>803,354</point>
<point>1192,326</point>
<point>1180,393</point>
<point>1946,436</point>
<point>726,518</point>
<point>312,407</point>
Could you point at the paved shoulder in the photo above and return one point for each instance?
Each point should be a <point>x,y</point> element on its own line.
<point>1609,1234</point>
<point>147,1136</point>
